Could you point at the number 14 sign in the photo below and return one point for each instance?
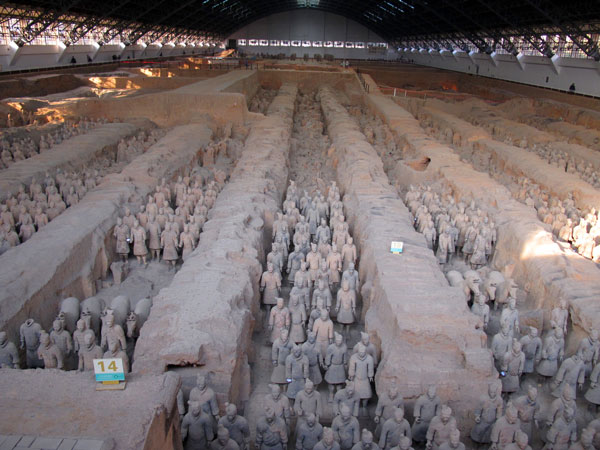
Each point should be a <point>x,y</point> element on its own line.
<point>109,370</point>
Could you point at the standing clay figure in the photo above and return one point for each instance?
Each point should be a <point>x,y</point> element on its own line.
<point>552,352</point>
<point>387,403</point>
<point>223,441</point>
<point>393,429</point>
<point>313,262</point>
<point>313,352</point>
<point>30,333</point>
<point>196,428</point>
<point>308,401</point>
<point>348,254</point>
<point>563,431</point>
<point>346,306</point>
<point>203,394</point>
<point>138,236</point>
<point>88,351</point>
<point>486,415</point>
<point>361,371</point>
<point>346,396</point>
<point>279,318</point>
<point>501,344</point>
<point>49,353</point>
<point>560,316</point>
<point>440,428</point>
<point>296,370</point>
<point>366,442</point>
<point>589,350</point>
<point>593,393</point>
<point>270,283</point>
<point>346,429</point>
<point>61,338</point>
<point>295,260</point>
<point>121,233</point>
<point>371,349</point>
<point>79,334</point>
<point>571,372</point>
<point>115,351</point>
<point>280,350</point>
<point>505,429</point>
<point>154,233</point>
<point>481,309</point>
<point>585,443</point>
<point>112,332</point>
<point>297,319</point>
<point>323,329</point>
<point>271,432</point>
<point>334,263</point>
<point>236,425</point>
<point>557,407</point>
<point>528,410</point>
<point>9,356</point>
<point>454,442</point>
<point>510,315</point>
<point>308,433</point>
<point>521,442</point>
<point>427,406</point>
<point>168,242</point>
<point>322,292</point>
<point>352,276</point>
<point>512,367</point>
<point>531,344</point>
<point>335,362</point>
<point>280,404</point>
<point>328,442</point>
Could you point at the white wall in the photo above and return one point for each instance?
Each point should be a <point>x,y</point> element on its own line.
<point>556,73</point>
<point>309,25</point>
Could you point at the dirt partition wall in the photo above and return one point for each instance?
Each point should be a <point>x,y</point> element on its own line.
<point>205,317</point>
<point>72,154</point>
<point>307,80</point>
<point>426,332</point>
<point>222,98</point>
<point>68,255</point>
<point>526,248</point>
<point>59,405</point>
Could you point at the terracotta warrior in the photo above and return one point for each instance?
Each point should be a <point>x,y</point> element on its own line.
<point>115,351</point>
<point>589,350</point>
<point>279,318</point>
<point>489,411</point>
<point>571,372</point>
<point>346,306</point>
<point>528,409</point>
<point>454,442</point>
<point>371,349</point>
<point>313,352</point>
<point>346,396</point>
<point>9,356</point>
<point>361,371</point>
<point>393,429</point>
<point>296,371</point>
<point>560,316</point>
<point>531,344</point>
<point>223,441</point>
<point>510,316</point>
<point>203,394</point>
<point>387,403</point>
<point>236,425</point>
<point>49,353</point>
<point>481,309</point>
<point>196,428</point>
<point>30,332</point>
<point>348,254</point>
<point>138,236</point>
<point>328,442</point>
<point>279,403</point>
<point>346,429</point>
<point>313,262</point>
<point>366,442</point>
<point>112,332</point>
<point>297,319</point>
<point>563,431</point>
<point>308,433</point>
<point>505,429</point>
<point>88,352</point>
<point>280,350</point>
<point>270,284</point>
<point>271,432</point>
<point>308,401</point>
<point>427,406</point>
<point>335,362</point>
<point>169,243</point>
<point>440,428</point>
<point>512,367</point>
<point>553,349</point>
<point>121,233</point>
<point>322,292</point>
<point>501,343</point>
<point>352,276</point>
<point>323,329</point>
<point>586,442</point>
